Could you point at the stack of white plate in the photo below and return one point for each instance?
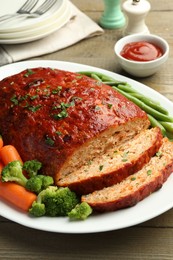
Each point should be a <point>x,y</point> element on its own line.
<point>30,29</point>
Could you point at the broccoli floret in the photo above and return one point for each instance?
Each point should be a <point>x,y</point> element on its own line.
<point>37,209</point>
<point>13,172</point>
<point>46,181</point>
<point>60,204</point>
<point>38,183</point>
<point>32,167</point>
<point>81,211</point>
<point>57,201</point>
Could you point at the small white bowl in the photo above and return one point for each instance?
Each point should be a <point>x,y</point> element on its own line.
<point>141,68</point>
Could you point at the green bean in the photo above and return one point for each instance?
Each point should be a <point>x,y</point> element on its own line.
<point>101,76</point>
<point>126,88</point>
<point>167,126</point>
<point>147,109</point>
<point>135,93</point>
<point>110,83</point>
<point>94,76</point>
<point>155,123</point>
<point>150,103</point>
<point>169,136</point>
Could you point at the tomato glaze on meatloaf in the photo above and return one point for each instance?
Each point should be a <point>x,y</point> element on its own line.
<point>64,119</point>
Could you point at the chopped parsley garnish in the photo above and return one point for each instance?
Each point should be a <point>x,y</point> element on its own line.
<point>57,90</point>
<point>89,162</point>
<point>63,113</point>
<point>22,98</point>
<point>58,133</point>
<point>110,106</point>
<point>159,154</point>
<point>49,141</point>
<point>125,154</point>
<point>124,160</point>
<point>60,115</point>
<point>14,100</point>
<point>149,172</point>
<point>34,97</point>
<point>101,167</point>
<point>29,72</point>
<point>133,178</point>
<point>34,108</point>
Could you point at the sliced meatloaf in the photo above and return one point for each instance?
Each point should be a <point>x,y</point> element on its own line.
<point>116,164</point>
<point>64,119</point>
<point>137,186</point>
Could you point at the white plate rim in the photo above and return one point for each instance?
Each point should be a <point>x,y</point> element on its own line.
<point>42,34</point>
<point>152,206</point>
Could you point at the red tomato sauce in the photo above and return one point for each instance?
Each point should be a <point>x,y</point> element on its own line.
<point>141,51</point>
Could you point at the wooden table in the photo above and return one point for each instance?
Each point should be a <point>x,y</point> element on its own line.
<point>150,240</point>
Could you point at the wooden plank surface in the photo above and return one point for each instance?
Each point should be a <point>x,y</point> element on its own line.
<point>148,241</point>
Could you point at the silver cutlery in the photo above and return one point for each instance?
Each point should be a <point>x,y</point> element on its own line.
<point>26,8</point>
<point>42,9</point>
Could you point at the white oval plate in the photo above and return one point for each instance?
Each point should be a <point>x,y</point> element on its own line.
<point>11,7</point>
<point>41,32</point>
<point>154,205</point>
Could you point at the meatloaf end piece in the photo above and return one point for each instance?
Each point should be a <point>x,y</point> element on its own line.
<point>137,186</point>
<point>64,119</point>
<point>115,165</point>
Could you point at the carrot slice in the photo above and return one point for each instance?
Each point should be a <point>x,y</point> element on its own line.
<point>1,167</point>
<point>1,142</point>
<point>8,153</point>
<point>17,195</point>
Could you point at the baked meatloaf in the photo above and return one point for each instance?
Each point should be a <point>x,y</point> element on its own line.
<point>115,165</point>
<point>64,119</point>
<point>137,186</point>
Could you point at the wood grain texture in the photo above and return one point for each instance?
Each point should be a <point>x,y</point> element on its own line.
<point>151,240</point>
<point>136,243</point>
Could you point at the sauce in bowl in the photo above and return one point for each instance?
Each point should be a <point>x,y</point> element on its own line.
<point>141,51</point>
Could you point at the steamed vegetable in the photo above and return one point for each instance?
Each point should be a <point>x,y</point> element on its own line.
<point>17,195</point>
<point>32,167</point>
<point>8,153</point>
<point>1,142</point>
<point>81,211</point>
<point>13,172</point>
<point>39,183</point>
<point>54,201</point>
<point>50,201</point>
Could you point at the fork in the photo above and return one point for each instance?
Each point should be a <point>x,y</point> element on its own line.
<point>26,8</point>
<point>42,9</point>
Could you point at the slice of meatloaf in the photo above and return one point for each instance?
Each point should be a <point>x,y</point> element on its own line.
<point>137,186</point>
<point>115,165</point>
<point>64,119</point>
